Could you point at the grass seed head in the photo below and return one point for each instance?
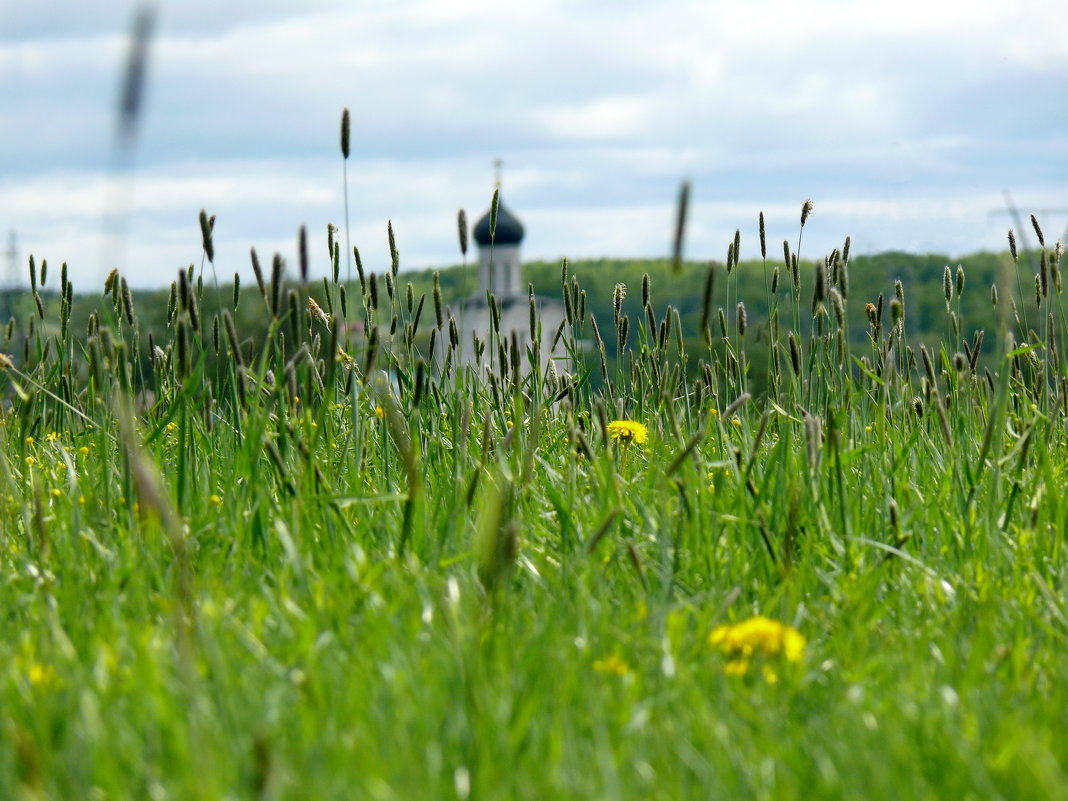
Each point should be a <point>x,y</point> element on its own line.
<point>172,302</point>
<point>127,303</point>
<point>438,308</point>
<point>109,282</point>
<point>1038,231</point>
<point>345,131</point>
<point>819,289</point>
<point>839,307</point>
<point>317,313</point>
<point>206,235</point>
<point>461,225</point>
<point>302,250</point>
<point>896,311</point>
<point>258,271</point>
<point>618,295</point>
<point>928,365</point>
<point>680,227</point>
<point>795,353</point>
<point>394,257</point>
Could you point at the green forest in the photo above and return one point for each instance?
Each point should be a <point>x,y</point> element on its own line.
<point>869,279</point>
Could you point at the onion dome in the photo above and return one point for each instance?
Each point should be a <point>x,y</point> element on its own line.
<point>509,230</point>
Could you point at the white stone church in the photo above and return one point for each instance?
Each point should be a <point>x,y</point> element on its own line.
<point>500,272</point>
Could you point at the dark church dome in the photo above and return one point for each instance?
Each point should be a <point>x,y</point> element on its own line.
<point>509,230</point>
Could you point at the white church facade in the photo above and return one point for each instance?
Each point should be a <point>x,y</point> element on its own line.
<point>500,273</point>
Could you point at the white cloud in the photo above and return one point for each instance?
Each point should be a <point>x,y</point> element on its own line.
<point>904,121</point>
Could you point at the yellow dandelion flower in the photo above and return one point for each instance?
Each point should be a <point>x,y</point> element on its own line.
<point>31,461</point>
<point>172,426</point>
<point>52,437</point>
<point>736,667</point>
<point>713,412</point>
<point>757,637</point>
<point>214,499</point>
<point>30,440</point>
<point>56,492</point>
<point>736,423</point>
<point>611,664</point>
<point>867,429</point>
<point>41,675</point>
<point>380,413</point>
<point>627,431</point>
<point>84,450</point>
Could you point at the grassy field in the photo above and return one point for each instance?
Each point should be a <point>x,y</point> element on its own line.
<point>320,567</point>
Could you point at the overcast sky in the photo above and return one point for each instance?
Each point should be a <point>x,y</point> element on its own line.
<point>904,122</point>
